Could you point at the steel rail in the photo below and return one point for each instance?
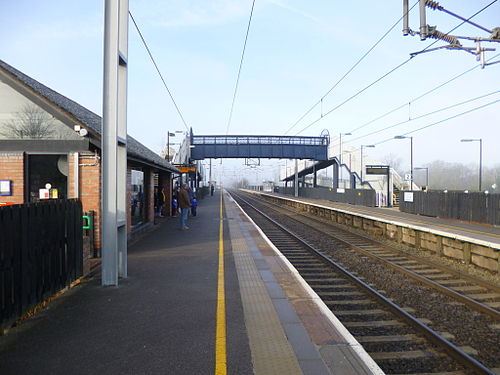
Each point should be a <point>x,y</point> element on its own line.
<point>432,335</point>
<point>478,306</point>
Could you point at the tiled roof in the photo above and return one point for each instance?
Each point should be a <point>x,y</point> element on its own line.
<point>86,117</point>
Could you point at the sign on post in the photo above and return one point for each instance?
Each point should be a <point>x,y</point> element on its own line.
<point>408,196</point>
<point>377,169</point>
<point>385,170</point>
<point>186,169</point>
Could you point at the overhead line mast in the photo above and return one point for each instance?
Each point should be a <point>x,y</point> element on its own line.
<point>426,31</point>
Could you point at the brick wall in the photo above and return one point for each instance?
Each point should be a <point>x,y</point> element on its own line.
<point>149,195</point>
<point>90,191</point>
<point>12,168</point>
<point>89,187</point>
<point>71,176</point>
<point>165,184</point>
<point>74,192</point>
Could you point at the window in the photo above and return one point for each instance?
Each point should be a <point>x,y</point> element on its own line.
<point>49,173</point>
<point>137,199</point>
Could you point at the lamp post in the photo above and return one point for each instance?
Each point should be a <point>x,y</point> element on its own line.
<point>480,140</point>
<point>340,158</point>
<point>361,156</point>
<point>411,157</point>
<point>340,152</point>
<point>426,174</point>
<point>169,134</point>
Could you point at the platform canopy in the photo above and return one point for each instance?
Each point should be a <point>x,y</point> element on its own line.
<point>311,169</point>
<point>258,146</point>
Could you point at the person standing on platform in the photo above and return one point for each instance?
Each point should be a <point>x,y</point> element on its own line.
<point>212,189</point>
<point>159,199</point>
<point>194,204</point>
<point>155,200</point>
<point>184,205</point>
<point>175,201</point>
<point>163,198</point>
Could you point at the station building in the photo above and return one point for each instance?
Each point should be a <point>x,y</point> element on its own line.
<point>50,148</point>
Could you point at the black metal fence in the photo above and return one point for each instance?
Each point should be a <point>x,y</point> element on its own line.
<point>363,197</point>
<point>40,253</point>
<point>475,207</point>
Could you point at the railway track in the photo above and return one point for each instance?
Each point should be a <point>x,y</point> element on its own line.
<point>476,293</point>
<point>396,340</point>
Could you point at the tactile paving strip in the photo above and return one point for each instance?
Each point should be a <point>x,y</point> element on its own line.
<point>271,351</point>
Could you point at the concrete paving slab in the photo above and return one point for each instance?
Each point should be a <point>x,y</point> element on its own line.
<point>160,320</point>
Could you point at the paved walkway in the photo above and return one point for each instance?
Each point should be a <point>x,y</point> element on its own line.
<point>160,320</point>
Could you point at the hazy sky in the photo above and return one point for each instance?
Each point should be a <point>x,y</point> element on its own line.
<point>296,52</point>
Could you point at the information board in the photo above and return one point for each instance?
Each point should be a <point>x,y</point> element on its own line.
<point>377,169</point>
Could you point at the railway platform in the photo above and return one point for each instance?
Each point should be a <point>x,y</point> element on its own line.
<point>217,298</point>
<point>472,244</point>
<point>475,231</point>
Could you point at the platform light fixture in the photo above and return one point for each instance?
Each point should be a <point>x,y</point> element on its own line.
<point>171,134</point>
<point>340,151</point>
<point>361,157</point>
<point>411,157</point>
<point>480,140</point>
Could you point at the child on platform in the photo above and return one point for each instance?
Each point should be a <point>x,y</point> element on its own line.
<point>194,204</point>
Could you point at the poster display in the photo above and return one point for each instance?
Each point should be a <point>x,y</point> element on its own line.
<point>5,187</point>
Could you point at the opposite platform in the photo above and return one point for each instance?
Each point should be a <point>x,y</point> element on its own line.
<point>487,233</point>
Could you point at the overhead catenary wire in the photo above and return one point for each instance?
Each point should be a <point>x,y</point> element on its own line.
<point>435,123</point>
<point>348,71</point>
<point>419,97</point>
<point>355,95</point>
<point>158,70</point>
<point>239,69</point>
<point>443,120</point>
<point>435,5</point>
<point>425,115</point>
<point>388,73</point>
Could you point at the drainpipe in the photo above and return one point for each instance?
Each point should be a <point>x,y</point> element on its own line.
<point>76,174</point>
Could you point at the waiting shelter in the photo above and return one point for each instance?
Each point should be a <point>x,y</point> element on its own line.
<point>50,148</point>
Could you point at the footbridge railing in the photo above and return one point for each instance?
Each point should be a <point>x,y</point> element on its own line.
<point>258,146</point>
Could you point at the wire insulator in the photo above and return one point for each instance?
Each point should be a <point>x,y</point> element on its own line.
<point>495,33</point>
<point>435,34</point>
<point>433,5</point>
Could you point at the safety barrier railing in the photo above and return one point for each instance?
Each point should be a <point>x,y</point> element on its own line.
<point>258,140</point>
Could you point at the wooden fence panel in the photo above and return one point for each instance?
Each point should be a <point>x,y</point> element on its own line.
<point>474,207</point>
<point>41,250</point>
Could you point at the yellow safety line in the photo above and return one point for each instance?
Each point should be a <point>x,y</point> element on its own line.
<point>220,335</point>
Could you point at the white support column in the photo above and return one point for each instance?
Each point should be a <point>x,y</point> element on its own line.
<point>296,182</point>
<point>121,179</point>
<point>76,175</point>
<point>114,142</point>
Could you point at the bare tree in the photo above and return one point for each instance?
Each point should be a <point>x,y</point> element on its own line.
<point>30,122</point>
<point>394,161</point>
<point>243,183</point>
<point>491,178</point>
